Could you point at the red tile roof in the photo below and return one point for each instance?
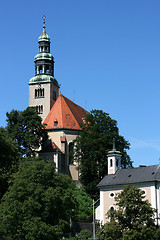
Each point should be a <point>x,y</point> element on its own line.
<point>65,114</point>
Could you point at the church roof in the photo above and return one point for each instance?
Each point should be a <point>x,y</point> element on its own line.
<point>131,176</point>
<point>65,114</point>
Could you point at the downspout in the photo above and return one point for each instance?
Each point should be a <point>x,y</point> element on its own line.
<point>156,202</point>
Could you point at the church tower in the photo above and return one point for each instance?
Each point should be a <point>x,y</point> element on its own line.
<point>114,160</point>
<point>43,87</point>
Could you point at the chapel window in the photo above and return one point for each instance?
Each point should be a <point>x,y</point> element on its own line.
<point>111,163</point>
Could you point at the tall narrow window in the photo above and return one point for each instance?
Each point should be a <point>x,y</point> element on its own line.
<point>111,163</point>
<point>40,70</point>
<point>71,159</point>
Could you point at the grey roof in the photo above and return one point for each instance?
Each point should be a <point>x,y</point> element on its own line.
<point>131,176</point>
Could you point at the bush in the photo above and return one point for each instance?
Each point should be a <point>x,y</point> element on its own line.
<point>84,235</point>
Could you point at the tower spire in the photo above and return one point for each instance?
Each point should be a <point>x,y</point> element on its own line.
<point>44,21</point>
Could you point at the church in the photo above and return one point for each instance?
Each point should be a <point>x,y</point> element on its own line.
<point>146,178</point>
<point>61,116</point>
<point>63,120</point>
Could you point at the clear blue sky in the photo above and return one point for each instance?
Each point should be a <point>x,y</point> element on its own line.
<point>107,56</point>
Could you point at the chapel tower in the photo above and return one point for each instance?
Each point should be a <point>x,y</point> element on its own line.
<point>114,160</point>
<point>43,87</point>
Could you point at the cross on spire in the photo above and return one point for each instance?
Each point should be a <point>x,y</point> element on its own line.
<point>44,18</point>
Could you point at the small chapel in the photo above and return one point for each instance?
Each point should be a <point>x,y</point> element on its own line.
<point>61,116</point>
<point>146,178</point>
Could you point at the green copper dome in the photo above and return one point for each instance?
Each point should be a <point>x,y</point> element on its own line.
<point>44,36</point>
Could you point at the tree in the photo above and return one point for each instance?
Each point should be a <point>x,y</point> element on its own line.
<point>39,204</point>
<point>8,160</point>
<point>92,146</point>
<point>133,219</point>
<point>84,205</point>
<point>26,128</point>
<point>85,234</point>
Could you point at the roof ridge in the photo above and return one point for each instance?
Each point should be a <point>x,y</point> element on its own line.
<point>73,102</point>
<point>72,111</point>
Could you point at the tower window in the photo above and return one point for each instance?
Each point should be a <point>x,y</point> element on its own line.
<point>40,70</point>
<point>40,109</point>
<point>39,93</point>
<point>71,159</point>
<point>47,70</point>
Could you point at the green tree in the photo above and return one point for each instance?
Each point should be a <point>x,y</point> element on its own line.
<point>39,204</point>
<point>85,234</point>
<point>8,160</point>
<point>133,219</point>
<point>26,128</point>
<point>84,205</point>
<point>92,146</point>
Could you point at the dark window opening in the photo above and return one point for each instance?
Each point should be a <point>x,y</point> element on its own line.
<point>47,70</point>
<point>71,159</point>
<point>111,163</point>
<point>55,123</point>
<point>40,109</point>
<point>39,93</point>
<point>112,208</point>
<point>40,70</point>
<point>112,195</point>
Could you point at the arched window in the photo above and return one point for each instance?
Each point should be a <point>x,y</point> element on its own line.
<point>47,70</point>
<point>70,153</point>
<point>40,109</point>
<point>39,93</point>
<point>40,70</point>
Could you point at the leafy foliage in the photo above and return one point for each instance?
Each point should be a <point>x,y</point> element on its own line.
<point>92,146</point>
<point>26,128</point>
<point>84,205</point>
<point>39,204</point>
<point>8,160</point>
<point>133,219</point>
<point>84,235</point>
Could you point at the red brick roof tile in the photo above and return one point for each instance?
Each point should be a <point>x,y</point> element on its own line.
<point>65,114</point>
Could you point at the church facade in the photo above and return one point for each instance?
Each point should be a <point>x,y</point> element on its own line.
<point>61,116</point>
<point>146,178</point>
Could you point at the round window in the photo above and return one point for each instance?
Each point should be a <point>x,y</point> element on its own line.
<point>112,194</point>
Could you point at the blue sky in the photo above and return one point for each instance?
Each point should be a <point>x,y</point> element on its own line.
<point>107,56</point>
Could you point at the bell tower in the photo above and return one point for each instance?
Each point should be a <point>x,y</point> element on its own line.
<point>114,160</point>
<point>43,87</point>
